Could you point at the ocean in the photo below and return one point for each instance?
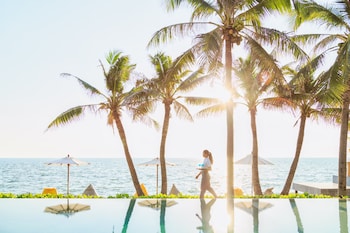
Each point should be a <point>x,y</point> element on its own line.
<point>110,176</point>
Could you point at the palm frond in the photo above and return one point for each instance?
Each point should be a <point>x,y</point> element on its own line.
<point>179,67</point>
<point>198,101</point>
<point>92,90</point>
<point>147,120</point>
<point>307,71</point>
<point>203,9</point>
<point>335,86</point>
<point>170,32</point>
<point>305,39</point>
<point>330,115</point>
<point>186,59</point>
<point>284,104</point>
<point>193,81</point>
<point>181,111</point>
<point>256,10</point>
<point>280,41</point>
<point>118,73</point>
<point>266,60</point>
<point>113,56</point>
<point>208,48</point>
<point>213,110</point>
<point>329,42</point>
<point>330,17</point>
<point>173,4</point>
<point>70,115</point>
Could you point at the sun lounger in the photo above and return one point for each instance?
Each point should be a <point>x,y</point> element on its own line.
<point>144,190</point>
<point>237,192</point>
<point>174,190</point>
<point>49,190</point>
<point>268,191</point>
<point>90,191</point>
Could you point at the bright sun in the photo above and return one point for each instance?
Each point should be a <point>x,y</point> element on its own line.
<point>214,91</point>
<point>221,93</point>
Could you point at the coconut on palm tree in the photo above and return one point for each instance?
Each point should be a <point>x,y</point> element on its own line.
<point>218,26</point>
<point>114,101</point>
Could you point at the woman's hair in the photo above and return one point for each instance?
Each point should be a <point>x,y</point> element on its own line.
<point>209,155</point>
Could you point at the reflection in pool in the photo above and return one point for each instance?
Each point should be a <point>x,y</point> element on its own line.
<point>177,215</point>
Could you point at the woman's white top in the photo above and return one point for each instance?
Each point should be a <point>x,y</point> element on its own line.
<point>206,163</point>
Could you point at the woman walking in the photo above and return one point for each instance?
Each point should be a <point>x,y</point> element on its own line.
<point>204,171</point>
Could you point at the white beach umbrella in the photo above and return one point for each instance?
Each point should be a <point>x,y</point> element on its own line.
<point>156,204</point>
<point>69,161</point>
<point>155,162</point>
<point>247,160</point>
<point>250,206</point>
<point>254,207</point>
<point>67,209</point>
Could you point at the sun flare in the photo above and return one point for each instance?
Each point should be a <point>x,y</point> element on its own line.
<point>216,91</point>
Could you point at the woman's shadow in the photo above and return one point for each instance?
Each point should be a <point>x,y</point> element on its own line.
<point>205,219</point>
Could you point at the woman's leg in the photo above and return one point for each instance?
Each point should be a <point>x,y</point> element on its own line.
<point>201,195</point>
<point>211,190</point>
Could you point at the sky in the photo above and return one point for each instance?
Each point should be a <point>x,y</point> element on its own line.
<point>42,39</point>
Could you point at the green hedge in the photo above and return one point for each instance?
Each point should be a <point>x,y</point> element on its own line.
<point>32,195</point>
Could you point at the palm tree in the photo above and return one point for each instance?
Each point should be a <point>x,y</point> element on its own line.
<point>114,102</point>
<point>128,215</point>
<point>343,216</point>
<point>308,96</point>
<point>255,81</point>
<point>295,209</point>
<point>230,23</point>
<point>172,78</point>
<point>335,18</point>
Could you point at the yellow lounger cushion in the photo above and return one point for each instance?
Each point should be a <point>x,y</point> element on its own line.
<point>49,191</point>
<point>144,190</point>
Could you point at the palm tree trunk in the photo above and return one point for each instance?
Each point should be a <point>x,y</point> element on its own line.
<point>162,148</point>
<point>294,206</point>
<point>128,215</point>
<point>255,166</point>
<point>343,144</point>
<point>129,161</point>
<point>229,117</point>
<point>255,213</point>
<point>293,167</point>
<point>343,215</point>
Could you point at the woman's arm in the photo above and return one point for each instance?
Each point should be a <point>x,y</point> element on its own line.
<point>198,174</point>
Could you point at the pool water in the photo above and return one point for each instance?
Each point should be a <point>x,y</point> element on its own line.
<point>177,216</point>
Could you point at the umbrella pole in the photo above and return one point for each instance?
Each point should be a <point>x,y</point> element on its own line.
<point>68,180</point>
<point>252,183</point>
<point>157,181</point>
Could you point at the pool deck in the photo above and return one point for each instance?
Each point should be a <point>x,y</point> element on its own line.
<point>319,188</point>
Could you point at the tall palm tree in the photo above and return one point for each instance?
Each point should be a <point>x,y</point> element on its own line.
<point>114,101</point>
<point>255,82</point>
<point>172,78</point>
<point>308,95</point>
<point>128,215</point>
<point>335,17</point>
<point>230,22</point>
<point>295,209</point>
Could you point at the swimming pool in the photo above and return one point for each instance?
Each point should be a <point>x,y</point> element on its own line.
<point>180,216</point>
